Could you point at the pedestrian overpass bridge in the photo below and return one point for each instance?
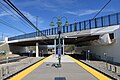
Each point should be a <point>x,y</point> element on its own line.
<point>89,29</point>
<point>100,35</point>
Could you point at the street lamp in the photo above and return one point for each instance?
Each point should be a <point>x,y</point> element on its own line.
<point>59,23</point>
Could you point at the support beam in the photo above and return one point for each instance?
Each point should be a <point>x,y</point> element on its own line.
<point>55,46</point>
<point>37,49</point>
<point>63,46</point>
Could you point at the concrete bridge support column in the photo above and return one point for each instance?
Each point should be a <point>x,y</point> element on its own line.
<point>37,49</point>
<point>55,46</point>
<point>63,46</point>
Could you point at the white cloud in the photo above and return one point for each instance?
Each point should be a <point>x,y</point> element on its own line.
<point>39,4</point>
<point>27,14</point>
<point>32,18</point>
<point>4,14</point>
<point>49,5</point>
<point>88,12</point>
<point>82,12</point>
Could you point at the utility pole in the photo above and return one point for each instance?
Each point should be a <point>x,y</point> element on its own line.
<point>37,25</point>
<point>37,44</point>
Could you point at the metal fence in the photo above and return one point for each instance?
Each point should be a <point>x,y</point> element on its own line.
<point>104,21</point>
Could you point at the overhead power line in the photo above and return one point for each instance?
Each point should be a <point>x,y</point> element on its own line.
<point>98,14</point>
<point>22,21</point>
<point>11,26</point>
<point>22,15</point>
<point>102,9</point>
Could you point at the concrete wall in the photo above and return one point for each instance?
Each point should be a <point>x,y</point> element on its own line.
<point>5,47</point>
<point>17,49</point>
<point>112,50</point>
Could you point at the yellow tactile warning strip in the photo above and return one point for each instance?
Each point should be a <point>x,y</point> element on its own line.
<point>22,74</point>
<point>97,74</point>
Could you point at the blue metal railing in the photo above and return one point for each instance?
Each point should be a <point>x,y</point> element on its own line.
<point>104,21</point>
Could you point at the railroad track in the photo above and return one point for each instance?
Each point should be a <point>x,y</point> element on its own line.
<point>12,59</point>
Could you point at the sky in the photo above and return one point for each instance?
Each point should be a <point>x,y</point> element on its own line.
<point>45,10</point>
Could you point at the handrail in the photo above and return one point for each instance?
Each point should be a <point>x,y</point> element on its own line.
<point>104,21</point>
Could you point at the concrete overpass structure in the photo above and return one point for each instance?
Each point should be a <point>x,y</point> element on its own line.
<point>100,35</point>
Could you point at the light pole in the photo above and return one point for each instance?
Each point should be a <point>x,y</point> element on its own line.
<point>59,23</point>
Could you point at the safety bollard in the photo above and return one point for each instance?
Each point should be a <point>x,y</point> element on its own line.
<point>7,59</point>
<point>115,69</point>
<point>2,72</point>
<point>110,68</point>
<point>7,70</point>
<point>106,65</point>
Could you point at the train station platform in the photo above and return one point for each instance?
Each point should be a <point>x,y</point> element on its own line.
<point>71,69</point>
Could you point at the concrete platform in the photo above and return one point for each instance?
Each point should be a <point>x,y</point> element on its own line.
<point>70,70</point>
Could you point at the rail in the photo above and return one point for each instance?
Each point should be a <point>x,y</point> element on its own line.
<point>104,21</point>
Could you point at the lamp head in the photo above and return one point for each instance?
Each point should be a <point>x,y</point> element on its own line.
<point>59,22</point>
<point>66,24</point>
<point>52,24</point>
<point>75,24</point>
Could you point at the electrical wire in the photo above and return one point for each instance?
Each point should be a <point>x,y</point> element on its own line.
<point>22,15</point>
<point>102,9</point>
<point>98,14</point>
<point>11,26</point>
<point>24,23</point>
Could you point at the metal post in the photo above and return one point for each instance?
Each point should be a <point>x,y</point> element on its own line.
<point>63,46</point>
<point>7,59</point>
<point>55,46</point>
<point>37,50</point>
<point>70,27</point>
<point>110,68</point>
<point>63,29</point>
<point>95,23</point>
<point>75,26</point>
<point>117,18</point>
<point>84,25</point>
<point>59,47</point>
<point>105,54</point>
<point>2,71</point>
<point>88,52</point>
<point>7,70</point>
<point>80,26</point>
<point>67,28</point>
<point>89,24</point>
<point>115,69</point>
<point>86,55</point>
<point>102,22</point>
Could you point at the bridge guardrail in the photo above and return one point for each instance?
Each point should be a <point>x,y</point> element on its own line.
<point>104,21</point>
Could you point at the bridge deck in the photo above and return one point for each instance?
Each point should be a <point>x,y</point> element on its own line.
<point>70,70</point>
